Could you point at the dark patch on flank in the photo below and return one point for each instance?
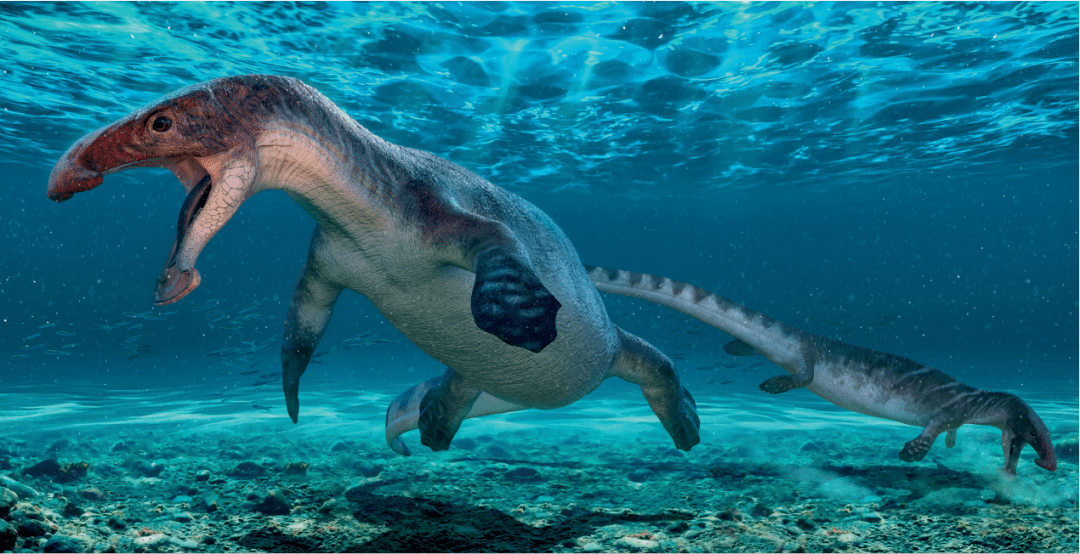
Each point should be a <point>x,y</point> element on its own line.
<point>700,294</point>
<point>655,281</point>
<point>677,287</point>
<point>634,278</point>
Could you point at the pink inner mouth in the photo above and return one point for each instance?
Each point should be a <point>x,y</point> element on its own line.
<point>175,283</point>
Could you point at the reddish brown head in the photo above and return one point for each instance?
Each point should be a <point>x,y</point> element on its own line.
<point>205,134</point>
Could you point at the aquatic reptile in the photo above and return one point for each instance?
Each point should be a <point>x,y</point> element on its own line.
<point>433,245</point>
<point>855,378</point>
<point>477,277</point>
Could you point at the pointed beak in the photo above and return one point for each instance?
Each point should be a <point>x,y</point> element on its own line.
<point>86,163</point>
<point>1047,457</point>
<point>71,175</point>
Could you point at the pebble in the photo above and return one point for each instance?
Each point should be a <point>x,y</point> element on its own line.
<point>639,475</point>
<point>65,543</point>
<point>592,547</point>
<point>8,499</point>
<point>209,502</point>
<point>150,540</point>
<point>633,543</point>
<point>368,468</point>
<point>62,444</point>
<point>8,536</point>
<point>247,470</point>
<point>147,469</point>
<point>202,476</point>
<point>92,493</point>
<point>22,490</point>
<point>45,468</point>
<point>523,475</point>
<point>273,504</point>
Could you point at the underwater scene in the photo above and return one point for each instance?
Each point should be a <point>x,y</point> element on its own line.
<point>806,282</point>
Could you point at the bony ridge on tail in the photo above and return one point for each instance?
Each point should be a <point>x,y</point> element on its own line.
<point>858,379</point>
<point>477,277</point>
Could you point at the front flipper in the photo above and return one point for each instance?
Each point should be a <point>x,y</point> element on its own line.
<point>642,364</point>
<point>916,448</point>
<point>784,383</point>
<point>510,302</point>
<point>508,298</point>
<point>442,410</point>
<point>309,312</point>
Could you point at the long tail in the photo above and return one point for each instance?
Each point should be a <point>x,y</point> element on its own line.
<point>778,341</point>
<point>404,412</point>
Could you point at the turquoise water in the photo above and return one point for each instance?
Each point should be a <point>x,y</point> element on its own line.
<point>896,176</point>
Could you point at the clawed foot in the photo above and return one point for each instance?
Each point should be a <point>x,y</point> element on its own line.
<point>781,383</point>
<point>914,450</point>
<point>510,302</point>
<point>684,428</point>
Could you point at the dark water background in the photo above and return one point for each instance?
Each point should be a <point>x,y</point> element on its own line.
<point>899,176</point>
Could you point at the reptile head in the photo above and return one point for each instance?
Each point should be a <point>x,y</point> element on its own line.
<point>204,134</point>
<point>1023,426</point>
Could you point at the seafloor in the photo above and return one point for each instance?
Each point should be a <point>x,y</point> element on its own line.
<point>160,472</point>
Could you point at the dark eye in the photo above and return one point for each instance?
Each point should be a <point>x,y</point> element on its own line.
<point>162,124</point>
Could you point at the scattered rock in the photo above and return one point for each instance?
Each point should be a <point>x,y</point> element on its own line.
<point>678,527</point>
<point>45,468</point>
<point>274,504</point>
<point>71,510</point>
<point>340,447</point>
<point>209,502</point>
<point>147,469</point>
<point>65,543</point>
<point>72,471</point>
<point>276,541</point>
<point>93,493</point>
<point>202,476</point>
<point>8,499</point>
<point>730,514</point>
<point>60,445</point>
<point>296,469</point>
<point>639,475</point>
<point>34,528</point>
<point>153,539</point>
<point>121,447</point>
<point>761,510</point>
<point>8,536</point>
<point>523,474</point>
<point>368,468</point>
<point>22,490</point>
<point>247,470</point>
<point>633,543</point>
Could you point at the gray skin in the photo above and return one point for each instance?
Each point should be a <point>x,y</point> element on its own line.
<point>855,378</point>
<point>477,277</point>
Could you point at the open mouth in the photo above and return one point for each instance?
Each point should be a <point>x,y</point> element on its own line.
<point>175,283</point>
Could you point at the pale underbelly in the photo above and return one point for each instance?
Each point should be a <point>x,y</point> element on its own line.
<point>436,316</point>
<point>858,392</point>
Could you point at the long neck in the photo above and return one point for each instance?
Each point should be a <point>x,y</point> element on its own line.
<point>992,408</point>
<point>338,175</point>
